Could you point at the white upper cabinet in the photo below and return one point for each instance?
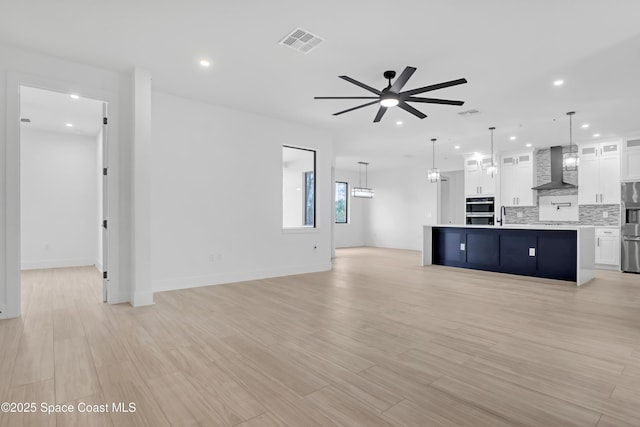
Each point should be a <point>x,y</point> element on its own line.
<point>631,159</point>
<point>517,179</point>
<point>599,174</point>
<point>476,180</point>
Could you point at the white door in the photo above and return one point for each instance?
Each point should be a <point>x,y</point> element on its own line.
<point>472,176</point>
<point>608,250</point>
<point>488,186</point>
<point>524,180</point>
<point>589,176</point>
<point>631,159</point>
<point>105,205</point>
<point>508,181</point>
<point>610,174</point>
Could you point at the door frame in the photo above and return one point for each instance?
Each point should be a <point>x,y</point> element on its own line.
<point>12,207</point>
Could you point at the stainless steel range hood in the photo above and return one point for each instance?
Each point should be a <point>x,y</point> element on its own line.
<point>556,172</point>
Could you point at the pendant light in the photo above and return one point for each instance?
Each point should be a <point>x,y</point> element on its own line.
<point>361,191</point>
<point>492,169</point>
<point>433,174</point>
<point>570,159</point>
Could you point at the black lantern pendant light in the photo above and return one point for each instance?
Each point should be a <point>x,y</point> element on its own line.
<point>433,174</point>
<point>492,169</point>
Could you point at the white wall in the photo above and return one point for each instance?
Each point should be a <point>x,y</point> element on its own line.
<point>216,196</point>
<point>352,233</point>
<point>58,199</point>
<point>405,200</point>
<point>19,67</point>
<point>452,200</point>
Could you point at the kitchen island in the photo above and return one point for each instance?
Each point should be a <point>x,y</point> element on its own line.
<point>552,252</point>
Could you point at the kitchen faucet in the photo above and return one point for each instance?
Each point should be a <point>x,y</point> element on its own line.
<point>503,214</point>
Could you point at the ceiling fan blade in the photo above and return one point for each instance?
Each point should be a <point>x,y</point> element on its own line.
<point>362,85</point>
<point>381,112</point>
<point>433,101</point>
<point>346,97</point>
<point>410,109</point>
<point>355,108</point>
<point>433,87</point>
<point>402,80</point>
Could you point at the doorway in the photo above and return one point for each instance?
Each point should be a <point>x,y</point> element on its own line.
<point>63,204</point>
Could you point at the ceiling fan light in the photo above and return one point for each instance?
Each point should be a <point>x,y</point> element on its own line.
<point>389,101</point>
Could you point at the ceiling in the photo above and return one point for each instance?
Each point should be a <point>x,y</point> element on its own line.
<point>52,111</point>
<point>510,51</point>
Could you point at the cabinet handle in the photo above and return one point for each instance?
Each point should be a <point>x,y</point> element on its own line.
<point>514,200</point>
<point>598,244</point>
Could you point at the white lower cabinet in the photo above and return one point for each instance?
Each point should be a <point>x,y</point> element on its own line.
<point>608,246</point>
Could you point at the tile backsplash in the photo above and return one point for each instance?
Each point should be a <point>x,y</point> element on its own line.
<point>587,215</point>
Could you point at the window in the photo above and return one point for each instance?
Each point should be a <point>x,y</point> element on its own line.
<point>342,189</point>
<point>298,187</point>
<point>309,198</point>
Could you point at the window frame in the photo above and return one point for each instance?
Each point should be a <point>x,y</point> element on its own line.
<point>346,202</point>
<point>315,192</point>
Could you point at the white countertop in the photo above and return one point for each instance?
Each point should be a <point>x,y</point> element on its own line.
<point>517,226</point>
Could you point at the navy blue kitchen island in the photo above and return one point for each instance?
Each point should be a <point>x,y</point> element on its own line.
<point>563,253</point>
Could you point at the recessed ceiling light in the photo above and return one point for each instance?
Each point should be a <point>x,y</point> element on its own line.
<point>585,125</point>
<point>69,125</point>
<point>595,135</point>
<point>512,138</point>
<point>558,82</point>
<point>399,122</point>
<point>205,63</point>
<point>74,96</point>
<point>528,145</point>
<point>457,147</point>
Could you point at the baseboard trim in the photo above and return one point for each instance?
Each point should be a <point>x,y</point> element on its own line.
<point>233,277</point>
<point>3,312</point>
<point>56,263</point>
<point>140,299</point>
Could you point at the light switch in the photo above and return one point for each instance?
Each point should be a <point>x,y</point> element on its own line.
<point>532,251</point>
<point>462,246</point>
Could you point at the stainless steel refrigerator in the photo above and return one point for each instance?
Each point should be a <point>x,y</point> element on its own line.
<point>630,255</point>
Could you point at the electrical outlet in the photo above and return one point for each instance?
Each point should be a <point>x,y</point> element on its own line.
<point>519,214</point>
<point>605,214</point>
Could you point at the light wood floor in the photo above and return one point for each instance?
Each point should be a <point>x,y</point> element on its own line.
<point>378,341</point>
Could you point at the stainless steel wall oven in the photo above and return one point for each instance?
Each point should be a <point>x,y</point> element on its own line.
<point>480,211</point>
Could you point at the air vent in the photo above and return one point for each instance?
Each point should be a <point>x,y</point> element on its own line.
<point>25,120</point>
<point>301,40</point>
<point>468,112</point>
<point>633,143</point>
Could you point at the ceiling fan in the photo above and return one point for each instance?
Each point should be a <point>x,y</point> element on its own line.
<point>391,95</point>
